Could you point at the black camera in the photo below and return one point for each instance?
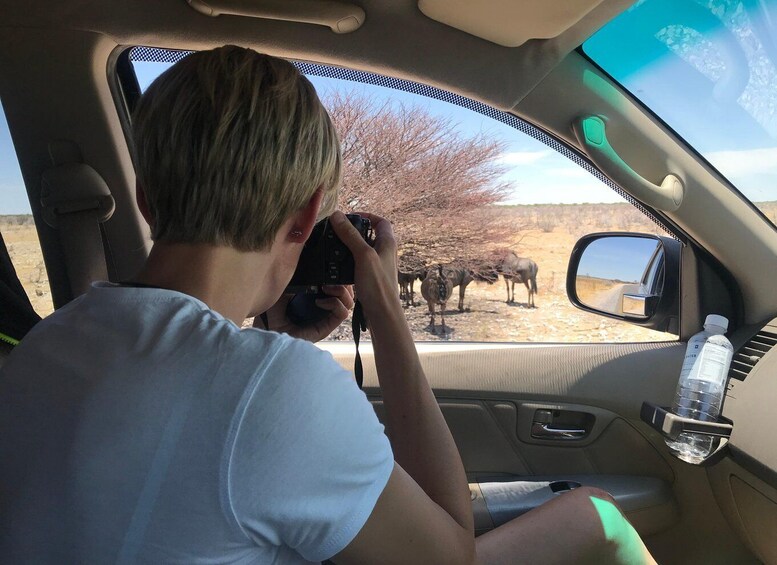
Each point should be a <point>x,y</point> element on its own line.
<point>325,260</point>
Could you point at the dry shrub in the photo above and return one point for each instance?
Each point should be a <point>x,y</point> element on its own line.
<point>438,187</point>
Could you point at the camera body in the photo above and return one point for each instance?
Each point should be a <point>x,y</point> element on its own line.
<point>325,260</point>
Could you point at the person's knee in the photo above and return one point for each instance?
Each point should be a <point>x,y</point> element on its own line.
<point>609,536</point>
<point>583,495</point>
<point>620,543</point>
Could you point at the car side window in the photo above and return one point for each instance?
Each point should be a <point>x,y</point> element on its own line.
<point>18,227</point>
<point>485,215</point>
<point>486,208</point>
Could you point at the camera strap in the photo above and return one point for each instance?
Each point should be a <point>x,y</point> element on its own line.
<point>358,325</point>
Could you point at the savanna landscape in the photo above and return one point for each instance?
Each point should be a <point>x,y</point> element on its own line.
<point>23,246</point>
<point>548,235</point>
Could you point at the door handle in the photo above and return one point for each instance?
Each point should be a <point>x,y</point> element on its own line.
<point>541,430</point>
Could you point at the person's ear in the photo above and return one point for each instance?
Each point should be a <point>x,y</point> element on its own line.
<point>140,198</point>
<point>305,218</point>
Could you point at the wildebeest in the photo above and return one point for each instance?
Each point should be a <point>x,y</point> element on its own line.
<point>436,289</point>
<point>461,276</point>
<point>519,269</point>
<point>406,282</point>
<point>409,268</point>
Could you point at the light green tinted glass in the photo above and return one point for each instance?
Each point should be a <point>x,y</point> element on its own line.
<point>708,68</point>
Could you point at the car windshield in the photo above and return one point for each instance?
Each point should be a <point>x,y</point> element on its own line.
<point>708,68</point>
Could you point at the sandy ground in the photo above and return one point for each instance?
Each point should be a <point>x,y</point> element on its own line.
<point>24,248</point>
<point>487,316</point>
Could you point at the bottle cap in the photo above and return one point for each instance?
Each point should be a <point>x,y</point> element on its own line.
<point>716,320</point>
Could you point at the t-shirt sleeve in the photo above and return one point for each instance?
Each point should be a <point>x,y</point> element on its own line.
<point>310,458</point>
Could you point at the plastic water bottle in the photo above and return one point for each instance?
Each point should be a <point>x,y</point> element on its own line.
<point>702,387</point>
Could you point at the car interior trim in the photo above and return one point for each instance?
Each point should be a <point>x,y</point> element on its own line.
<point>506,22</point>
<point>340,17</point>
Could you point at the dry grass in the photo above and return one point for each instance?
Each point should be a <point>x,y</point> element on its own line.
<point>590,288</point>
<point>554,231</point>
<point>21,239</point>
<point>769,210</point>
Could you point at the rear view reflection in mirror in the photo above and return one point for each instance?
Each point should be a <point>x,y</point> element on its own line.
<point>621,275</point>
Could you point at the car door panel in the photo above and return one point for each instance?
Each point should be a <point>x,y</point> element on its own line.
<point>750,505</point>
<point>512,476</point>
<point>489,394</point>
<point>486,433</point>
<point>492,396</point>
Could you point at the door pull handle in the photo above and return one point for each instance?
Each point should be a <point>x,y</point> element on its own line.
<point>541,430</point>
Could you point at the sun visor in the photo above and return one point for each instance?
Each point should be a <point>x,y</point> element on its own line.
<point>340,17</point>
<point>509,22</point>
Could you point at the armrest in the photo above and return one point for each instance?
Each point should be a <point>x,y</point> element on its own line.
<point>647,502</point>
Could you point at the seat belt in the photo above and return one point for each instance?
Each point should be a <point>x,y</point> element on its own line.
<point>17,316</point>
<point>76,201</point>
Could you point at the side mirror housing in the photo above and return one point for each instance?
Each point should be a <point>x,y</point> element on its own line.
<point>627,276</point>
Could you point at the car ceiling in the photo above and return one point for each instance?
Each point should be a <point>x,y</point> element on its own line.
<point>396,38</point>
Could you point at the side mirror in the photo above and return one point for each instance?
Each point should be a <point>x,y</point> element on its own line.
<point>627,276</point>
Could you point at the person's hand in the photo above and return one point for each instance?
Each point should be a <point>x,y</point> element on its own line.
<point>376,265</point>
<point>338,303</point>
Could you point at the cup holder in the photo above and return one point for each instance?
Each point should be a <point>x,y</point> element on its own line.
<point>563,486</point>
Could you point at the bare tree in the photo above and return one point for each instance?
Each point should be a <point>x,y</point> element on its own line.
<point>437,186</point>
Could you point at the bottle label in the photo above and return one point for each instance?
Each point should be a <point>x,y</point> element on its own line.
<point>710,364</point>
<point>691,356</point>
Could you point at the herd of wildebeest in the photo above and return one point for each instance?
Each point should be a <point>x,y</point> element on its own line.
<point>438,281</point>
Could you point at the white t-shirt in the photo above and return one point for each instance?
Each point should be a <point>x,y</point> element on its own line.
<point>138,425</point>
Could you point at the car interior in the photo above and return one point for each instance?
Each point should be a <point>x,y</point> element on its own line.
<point>531,420</point>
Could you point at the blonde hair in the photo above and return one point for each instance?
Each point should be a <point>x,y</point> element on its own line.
<point>229,143</point>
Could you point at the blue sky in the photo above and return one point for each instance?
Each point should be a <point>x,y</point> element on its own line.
<point>537,173</point>
<point>618,258</point>
<point>14,200</point>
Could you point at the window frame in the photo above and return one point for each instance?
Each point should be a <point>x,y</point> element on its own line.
<point>126,92</point>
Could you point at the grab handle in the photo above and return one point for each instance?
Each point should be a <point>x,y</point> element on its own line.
<point>591,134</point>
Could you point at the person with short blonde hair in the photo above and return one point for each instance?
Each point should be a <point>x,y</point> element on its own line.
<point>227,165</point>
<point>142,424</point>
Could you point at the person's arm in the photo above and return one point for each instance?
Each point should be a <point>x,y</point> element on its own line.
<point>419,435</point>
<point>424,514</point>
